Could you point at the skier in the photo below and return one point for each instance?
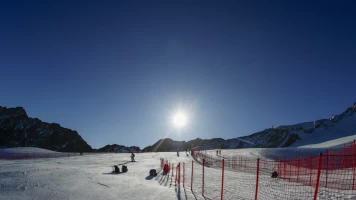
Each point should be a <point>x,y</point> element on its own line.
<point>274,174</point>
<point>132,157</point>
<point>217,152</point>
<point>178,153</point>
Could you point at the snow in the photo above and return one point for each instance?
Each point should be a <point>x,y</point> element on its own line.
<point>343,128</point>
<point>26,150</point>
<point>337,143</point>
<point>85,177</point>
<point>246,141</point>
<point>90,177</point>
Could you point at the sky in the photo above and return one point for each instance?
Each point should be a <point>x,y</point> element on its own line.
<point>116,71</point>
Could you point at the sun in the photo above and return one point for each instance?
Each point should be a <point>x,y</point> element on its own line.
<point>179,119</point>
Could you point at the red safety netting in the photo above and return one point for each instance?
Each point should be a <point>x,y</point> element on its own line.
<point>328,176</point>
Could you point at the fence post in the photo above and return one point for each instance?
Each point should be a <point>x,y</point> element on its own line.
<point>222,179</point>
<point>290,171</point>
<point>183,173</point>
<point>258,171</point>
<point>203,178</point>
<point>318,178</point>
<point>298,169</point>
<point>284,169</point>
<point>327,166</point>
<point>176,179</point>
<point>191,178</point>
<point>172,172</point>
<point>179,176</point>
<point>354,165</point>
<point>310,169</point>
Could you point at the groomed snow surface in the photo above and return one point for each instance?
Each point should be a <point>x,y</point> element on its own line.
<point>85,177</point>
<point>91,177</point>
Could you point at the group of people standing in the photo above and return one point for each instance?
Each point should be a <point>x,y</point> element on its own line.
<point>218,152</point>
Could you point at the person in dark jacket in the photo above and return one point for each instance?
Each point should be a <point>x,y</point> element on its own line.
<point>132,156</point>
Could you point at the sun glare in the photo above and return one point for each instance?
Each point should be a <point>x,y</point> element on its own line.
<point>180,119</point>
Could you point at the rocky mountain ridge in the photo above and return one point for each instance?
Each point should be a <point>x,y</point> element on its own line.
<point>18,130</point>
<point>322,130</point>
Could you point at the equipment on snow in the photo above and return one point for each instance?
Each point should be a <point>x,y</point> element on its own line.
<point>166,168</point>
<point>124,168</point>
<point>153,172</point>
<point>116,169</point>
<point>274,174</point>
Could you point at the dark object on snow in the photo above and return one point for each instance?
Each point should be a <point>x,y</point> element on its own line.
<point>274,174</point>
<point>124,168</point>
<point>116,169</point>
<point>166,168</point>
<point>153,172</point>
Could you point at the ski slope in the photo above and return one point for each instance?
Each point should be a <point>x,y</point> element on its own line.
<point>90,177</point>
<point>84,177</point>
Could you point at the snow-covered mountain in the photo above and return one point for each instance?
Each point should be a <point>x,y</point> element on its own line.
<point>119,148</point>
<point>17,130</point>
<point>306,133</point>
<point>167,144</point>
<point>296,135</point>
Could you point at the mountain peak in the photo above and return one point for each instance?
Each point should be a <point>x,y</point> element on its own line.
<point>18,130</point>
<point>18,112</point>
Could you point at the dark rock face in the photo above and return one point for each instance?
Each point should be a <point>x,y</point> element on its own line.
<point>281,136</point>
<point>18,130</point>
<point>119,148</point>
<point>167,144</point>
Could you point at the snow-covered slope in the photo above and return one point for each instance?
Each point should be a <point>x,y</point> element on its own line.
<point>20,150</point>
<point>302,134</point>
<point>89,178</point>
<point>119,148</point>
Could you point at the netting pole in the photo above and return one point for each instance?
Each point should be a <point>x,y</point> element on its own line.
<point>222,179</point>
<point>183,173</point>
<point>290,171</point>
<point>176,178</point>
<point>179,175</point>
<point>257,173</point>
<point>327,166</point>
<point>298,169</point>
<point>203,179</point>
<point>343,157</point>
<point>284,169</point>
<point>310,169</point>
<point>172,172</point>
<point>318,178</point>
<point>354,165</point>
<point>191,178</point>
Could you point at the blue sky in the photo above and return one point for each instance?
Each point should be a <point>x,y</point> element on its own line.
<point>116,71</point>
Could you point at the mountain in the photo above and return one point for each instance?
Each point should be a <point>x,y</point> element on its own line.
<point>18,130</point>
<point>119,148</point>
<point>168,144</point>
<point>296,135</point>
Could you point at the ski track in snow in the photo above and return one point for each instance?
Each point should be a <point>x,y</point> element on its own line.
<point>90,177</point>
